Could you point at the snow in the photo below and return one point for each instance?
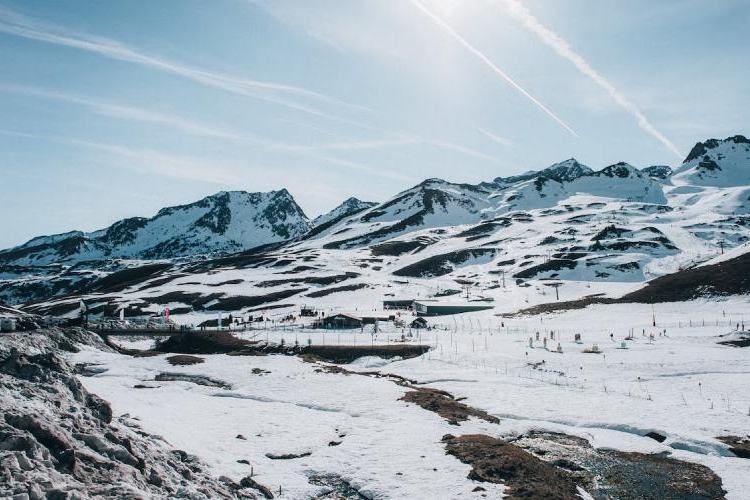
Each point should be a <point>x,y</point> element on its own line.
<point>348,206</point>
<point>682,384</point>
<point>721,163</point>
<point>597,232</point>
<point>227,221</point>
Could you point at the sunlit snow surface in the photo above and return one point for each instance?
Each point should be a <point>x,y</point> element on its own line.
<point>683,385</point>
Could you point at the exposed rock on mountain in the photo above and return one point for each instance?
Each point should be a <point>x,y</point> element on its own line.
<point>714,162</point>
<point>349,206</point>
<point>659,172</point>
<point>567,222</point>
<point>224,222</point>
<point>60,441</point>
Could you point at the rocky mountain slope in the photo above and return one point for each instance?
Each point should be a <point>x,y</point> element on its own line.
<point>223,222</point>
<point>717,163</point>
<point>349,206</point>
<point>600,231</point>
<point>60,441</point>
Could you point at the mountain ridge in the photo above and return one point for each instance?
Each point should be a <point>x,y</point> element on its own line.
<point>616,224</point>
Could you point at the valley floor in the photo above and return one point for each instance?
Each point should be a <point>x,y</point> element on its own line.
<point>350,430</point>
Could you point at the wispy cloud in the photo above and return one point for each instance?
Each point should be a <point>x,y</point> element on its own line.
<point>496,138</point>
<point>123,112</point>
<point>14,23</point>
<point>486,60</point>
<point>563,49</point>
<point>193,127</point>
<point>149,161</point>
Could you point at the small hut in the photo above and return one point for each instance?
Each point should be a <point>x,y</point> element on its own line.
<point>339,321</point>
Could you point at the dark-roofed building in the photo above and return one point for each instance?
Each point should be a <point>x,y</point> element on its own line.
<point>339,321</point>
<point>398,303</point>
<point>427,308</point>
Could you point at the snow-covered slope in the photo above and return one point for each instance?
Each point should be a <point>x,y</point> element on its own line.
<point>601,231</point>
<point>226,222</point>
<point>349,206</point>
<point>715,162</point>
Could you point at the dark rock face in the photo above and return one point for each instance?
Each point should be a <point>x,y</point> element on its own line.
<point>57,440</point>
<point>186,230</point>
<point>701,148</point>
<point>621,170</point>
<point>657,171</point>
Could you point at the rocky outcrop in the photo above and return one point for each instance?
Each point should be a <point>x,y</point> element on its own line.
<point>57,440</point>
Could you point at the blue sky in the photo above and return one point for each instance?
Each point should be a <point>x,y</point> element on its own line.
<point>116,109</point>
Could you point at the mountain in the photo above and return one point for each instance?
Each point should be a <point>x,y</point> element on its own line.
<point>223,222</point>
<point>564,171</point>
<point>349,206</point>
<point>721,163</point>
<point>432,203</point>
<point>659,172</point>
<point>599,230</point>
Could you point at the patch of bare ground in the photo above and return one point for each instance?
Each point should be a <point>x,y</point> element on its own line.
<point>562,306</point>
<point>445,405</point>
<point>606,473</point>
<point>348,353</point>
<point>496,461</point>
<point>203,343</point>
<point>184,360</point>
<point>288,456</point>
<point>740,446</point>
<point>441,402</point>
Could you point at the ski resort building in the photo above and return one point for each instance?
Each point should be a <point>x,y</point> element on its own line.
<point>348,320</point>
<point>427,308</point>
<point>398,303</point>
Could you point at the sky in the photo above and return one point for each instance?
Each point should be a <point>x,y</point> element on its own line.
<point>117,109</point>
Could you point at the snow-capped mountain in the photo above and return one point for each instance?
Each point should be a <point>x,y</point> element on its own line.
<point>348,207</point>
<point>721,163</point>
<point>223,222</point>
<point>614,227</point>
<point>659,172</point>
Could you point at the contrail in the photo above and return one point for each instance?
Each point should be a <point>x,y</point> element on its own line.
<point>16,24</point>
<point>563,49</point>
<point>460,39</point>
<point>496,138</point>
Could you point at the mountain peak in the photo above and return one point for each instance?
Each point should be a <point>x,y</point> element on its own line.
<point>227,221</point>
<point>717,162</point>
<point>566,171</point>
<point>349,206</point>
<point>701,148</point>
<point>659,172</point>
<point>621,169</point>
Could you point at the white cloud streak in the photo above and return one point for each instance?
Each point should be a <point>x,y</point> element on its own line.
<point>486,60</point>
<point>19,25</point>
<point>196,128</point>
<point>563,49</point>
<point>495,138</point>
